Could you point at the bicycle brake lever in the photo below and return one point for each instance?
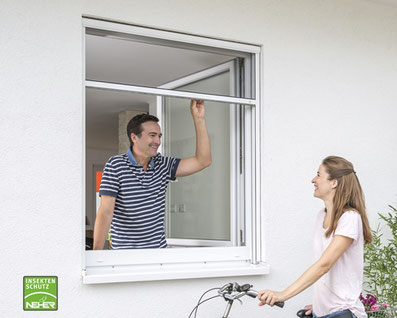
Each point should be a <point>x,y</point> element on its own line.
<point>245,287</point>
<point>252,293</point>
<point>226,288</point>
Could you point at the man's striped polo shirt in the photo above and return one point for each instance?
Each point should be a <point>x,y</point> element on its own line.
<point>138,219</point>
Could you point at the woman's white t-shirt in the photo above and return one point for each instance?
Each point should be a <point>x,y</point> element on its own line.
<point>340,288</point>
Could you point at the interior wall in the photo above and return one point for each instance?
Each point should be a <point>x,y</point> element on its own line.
<point>329,70</point>
<point>94,157</point>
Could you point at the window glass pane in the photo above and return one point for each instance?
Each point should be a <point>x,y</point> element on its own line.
<point>199,205</point>
<point>124,59</point>
<point>215,84</point>
<point>107,113</point>
<point>204,196</point>
<point>103,111</point>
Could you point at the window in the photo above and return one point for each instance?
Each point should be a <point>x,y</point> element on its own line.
<point>212,217</point>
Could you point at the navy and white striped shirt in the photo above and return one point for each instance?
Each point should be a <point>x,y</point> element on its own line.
<point>138,219</point>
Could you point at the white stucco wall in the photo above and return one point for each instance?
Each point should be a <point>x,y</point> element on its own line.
<point>329,87</point>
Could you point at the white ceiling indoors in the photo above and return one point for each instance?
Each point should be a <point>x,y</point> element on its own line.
<point>117,60</point>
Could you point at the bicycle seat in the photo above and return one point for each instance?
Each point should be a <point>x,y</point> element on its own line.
<point>301,314</point>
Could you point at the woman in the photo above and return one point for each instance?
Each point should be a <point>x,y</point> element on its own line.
<point>341,230</point>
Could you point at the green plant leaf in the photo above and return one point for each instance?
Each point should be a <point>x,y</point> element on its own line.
<point>380,268</point>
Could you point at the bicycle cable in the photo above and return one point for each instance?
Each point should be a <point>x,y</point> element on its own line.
<point>202,303</point>
<point>215,288</point>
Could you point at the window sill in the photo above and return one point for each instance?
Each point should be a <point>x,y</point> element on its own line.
<point>138,273</point>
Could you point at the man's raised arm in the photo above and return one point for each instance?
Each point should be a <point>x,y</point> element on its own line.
<point>202,159</point>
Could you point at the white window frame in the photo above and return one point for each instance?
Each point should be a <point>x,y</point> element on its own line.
<point>181,263</point>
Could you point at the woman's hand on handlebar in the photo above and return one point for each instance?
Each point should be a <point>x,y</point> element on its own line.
<point>269,297</point>
<point>309,310</point>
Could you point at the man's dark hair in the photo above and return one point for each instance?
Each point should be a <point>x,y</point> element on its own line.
<point>135,125</point>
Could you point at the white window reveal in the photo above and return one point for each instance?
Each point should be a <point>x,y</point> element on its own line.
<point>212,217</point>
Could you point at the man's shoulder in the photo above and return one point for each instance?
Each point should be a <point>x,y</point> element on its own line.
<point>120,156</point>
<point>159,156</point>
<point>159,159</point>
<point>119,159</point>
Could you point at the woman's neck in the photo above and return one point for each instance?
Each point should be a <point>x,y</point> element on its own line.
<point>328,206</point>
<point>328,210</point>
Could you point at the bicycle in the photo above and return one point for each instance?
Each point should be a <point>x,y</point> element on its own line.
<point>233,291</point>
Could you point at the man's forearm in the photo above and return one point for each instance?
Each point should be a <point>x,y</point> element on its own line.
<point>203,147</point>
<point>202,158</point>
<point>101,229</point>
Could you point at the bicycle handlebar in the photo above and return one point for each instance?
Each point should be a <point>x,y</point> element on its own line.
<point>233,291</point>
<point>230,292</point>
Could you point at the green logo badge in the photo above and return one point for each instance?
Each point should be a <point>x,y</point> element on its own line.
<point>40,293</point>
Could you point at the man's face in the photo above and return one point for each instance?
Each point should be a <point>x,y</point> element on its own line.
<point>149,141</point>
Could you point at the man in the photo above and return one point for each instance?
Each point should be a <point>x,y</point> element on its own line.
<point>133,185</point>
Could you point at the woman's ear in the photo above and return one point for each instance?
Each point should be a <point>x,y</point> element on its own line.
<point>334,183</point>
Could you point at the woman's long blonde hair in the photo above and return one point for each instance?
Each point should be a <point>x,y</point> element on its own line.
<point>348,194</point>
